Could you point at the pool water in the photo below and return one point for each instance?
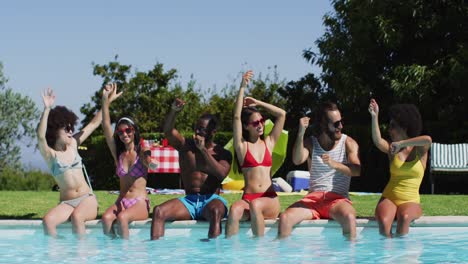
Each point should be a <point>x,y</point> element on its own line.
<point>188,245</point>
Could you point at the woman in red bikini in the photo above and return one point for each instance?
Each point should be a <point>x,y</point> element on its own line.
<point>253,152</point>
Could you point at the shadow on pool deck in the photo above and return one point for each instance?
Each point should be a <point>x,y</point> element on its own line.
<point>425,221</point>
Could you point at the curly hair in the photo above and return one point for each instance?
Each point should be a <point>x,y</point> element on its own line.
<point>407,116</point>
<point>119,145</point>
<point>59,117</point>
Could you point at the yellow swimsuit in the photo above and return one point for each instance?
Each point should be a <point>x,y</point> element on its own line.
<point>405,179</point>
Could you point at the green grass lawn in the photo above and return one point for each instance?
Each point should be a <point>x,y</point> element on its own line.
<point>34,205</point>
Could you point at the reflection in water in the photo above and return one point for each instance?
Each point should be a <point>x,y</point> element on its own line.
<point>306,245</point>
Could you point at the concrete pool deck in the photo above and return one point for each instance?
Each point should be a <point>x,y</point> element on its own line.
<point>425,221</point>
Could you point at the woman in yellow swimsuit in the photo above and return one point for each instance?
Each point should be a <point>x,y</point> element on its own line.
<point>407,153</point>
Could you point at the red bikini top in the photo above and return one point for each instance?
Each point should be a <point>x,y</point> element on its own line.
<point>249,160</point>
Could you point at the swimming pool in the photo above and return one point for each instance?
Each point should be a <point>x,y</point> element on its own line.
<point>311,242</point>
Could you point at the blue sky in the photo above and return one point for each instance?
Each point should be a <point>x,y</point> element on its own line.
<point>53,43</point>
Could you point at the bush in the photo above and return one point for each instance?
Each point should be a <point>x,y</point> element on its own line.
<point>12,179</point>
<point>99,164</point>
<point>374,164</point>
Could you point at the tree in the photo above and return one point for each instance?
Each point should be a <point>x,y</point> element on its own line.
<point>264,87</point>
<point>18,115</point>
<point>396,52</point>
<point>399,51</point>
<point>301,98</point>
<point>147,96</point>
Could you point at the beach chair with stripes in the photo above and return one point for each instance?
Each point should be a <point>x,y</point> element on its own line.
<point>447,159</point>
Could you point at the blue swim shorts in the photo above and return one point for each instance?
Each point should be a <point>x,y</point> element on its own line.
<point>195,203</point>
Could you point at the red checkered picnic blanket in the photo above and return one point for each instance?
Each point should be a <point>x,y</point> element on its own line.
<point>167,156</point>
<point>168,159</point>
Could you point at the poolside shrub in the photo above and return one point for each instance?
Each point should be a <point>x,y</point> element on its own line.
<point>13,179</point>
<point>374,164</point>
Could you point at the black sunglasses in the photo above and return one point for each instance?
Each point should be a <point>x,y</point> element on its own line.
<point>68,128</point>
<point>337,123</point>
<point>202,131</point>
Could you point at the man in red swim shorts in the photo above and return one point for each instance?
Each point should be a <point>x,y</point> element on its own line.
<point>333,160</point>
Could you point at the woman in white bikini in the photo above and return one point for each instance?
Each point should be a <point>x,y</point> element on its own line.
<point>58,146</point>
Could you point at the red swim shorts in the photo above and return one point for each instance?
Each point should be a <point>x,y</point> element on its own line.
<point>321,202</point>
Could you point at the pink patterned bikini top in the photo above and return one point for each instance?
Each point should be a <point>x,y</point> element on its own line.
<point>136,170</point>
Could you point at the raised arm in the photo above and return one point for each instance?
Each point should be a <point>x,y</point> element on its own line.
<point>109,94</point>
<point>422,142</point>
<point>173,136</point>
<point>379,142</point>
<point>48,98</point>
<point>89,128</point>
<point>278,113</point>
<point>236,122</point>
<point>301,147</point>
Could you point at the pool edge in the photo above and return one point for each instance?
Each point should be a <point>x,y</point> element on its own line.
<point>443,221</point>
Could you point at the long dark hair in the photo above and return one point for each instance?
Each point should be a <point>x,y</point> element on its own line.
<point>245,117</point>
<point>59,117</point>
<point>119,145</point>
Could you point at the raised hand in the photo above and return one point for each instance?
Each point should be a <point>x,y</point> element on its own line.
<point>109,92</point>
<point>113,95</point>
<point>48,97</point>
<point>246,77</point>
<point>373,108</point>
<point>250,101</point>
<point>303,124</point>
<point>177,105</point>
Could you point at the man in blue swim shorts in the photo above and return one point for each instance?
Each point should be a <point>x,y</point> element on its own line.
<point>203,166</point>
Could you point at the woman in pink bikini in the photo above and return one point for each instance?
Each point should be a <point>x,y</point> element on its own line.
<point>253,152</point>
<point>131,167</point>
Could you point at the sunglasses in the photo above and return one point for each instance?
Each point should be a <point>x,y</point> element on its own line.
<point>337,123</point>
<point>127,131</point>
<point>202,131</point>
<point>68,128</point>
<point>257,123</point>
